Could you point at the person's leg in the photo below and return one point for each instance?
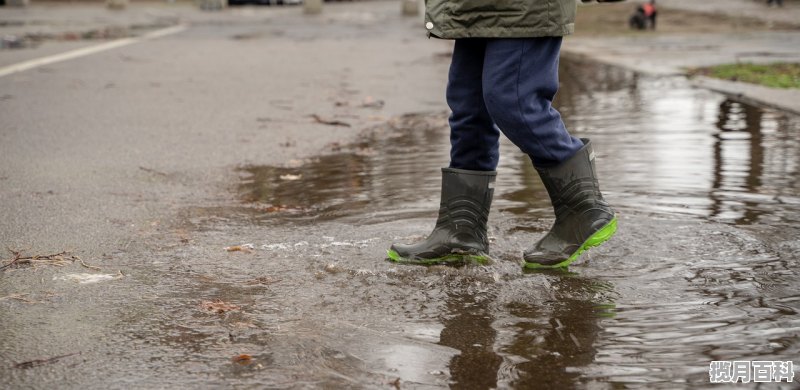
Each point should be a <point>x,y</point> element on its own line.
<point>474,141</point>
<point>520,80</point>
<point>467,185</point>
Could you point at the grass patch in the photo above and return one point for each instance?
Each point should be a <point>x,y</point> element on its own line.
<point>777,75</point>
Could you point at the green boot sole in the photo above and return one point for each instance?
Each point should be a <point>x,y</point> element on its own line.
<point>455,258</point>
<point>594,240</point>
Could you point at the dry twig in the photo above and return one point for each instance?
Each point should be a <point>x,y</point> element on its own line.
<point>153,171</point>
<point>87,265</point>
<point>330,122</point>
<point>19,297</point>
<point>57,259</point>
<point>39,362</point>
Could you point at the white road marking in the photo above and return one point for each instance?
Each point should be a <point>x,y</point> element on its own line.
<point>27,65</point>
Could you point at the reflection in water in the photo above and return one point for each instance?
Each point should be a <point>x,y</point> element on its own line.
<point>739,187</point>
<point>468,328</point>
<point>543,343</point>
<point>739,159</point>
<point>388,167</point>
<point>669,149</point>
<point>555,339</point>
<point>704,266</point>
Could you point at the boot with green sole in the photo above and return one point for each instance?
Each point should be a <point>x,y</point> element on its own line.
<point>583,218</point>
<point>460,233</point>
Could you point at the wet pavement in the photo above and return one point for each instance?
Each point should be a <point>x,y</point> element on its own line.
<point>704,266</point>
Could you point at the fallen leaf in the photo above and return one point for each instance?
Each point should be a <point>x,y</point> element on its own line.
<point>218,306</point>
<point>243,359</point>
<point>240,248</point>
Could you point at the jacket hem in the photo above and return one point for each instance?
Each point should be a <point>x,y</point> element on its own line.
<point>496,32</point>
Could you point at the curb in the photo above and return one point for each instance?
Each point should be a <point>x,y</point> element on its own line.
<point>783,99</point>
<point>787,100</point>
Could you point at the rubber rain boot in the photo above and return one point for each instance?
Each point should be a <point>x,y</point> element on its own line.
<point>460,232</point>
<point>583,218</point>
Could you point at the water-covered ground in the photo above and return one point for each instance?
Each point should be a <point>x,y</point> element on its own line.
<point>704,266</point>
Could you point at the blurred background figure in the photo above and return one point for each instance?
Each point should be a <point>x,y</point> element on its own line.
<point>779,3</point>
<point>645,16</point>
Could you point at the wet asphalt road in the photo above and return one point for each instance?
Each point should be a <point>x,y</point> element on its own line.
<point>154,158</point>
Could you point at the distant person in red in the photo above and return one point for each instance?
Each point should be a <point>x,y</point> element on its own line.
<point>650,13</point>
<point>644,17</point>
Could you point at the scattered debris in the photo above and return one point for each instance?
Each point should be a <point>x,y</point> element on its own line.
<point>335,146</point>
<point>39,362</point>
<point>243,359</point>
<point>395,383</point>
<point>218,306</point>
<point>153,171</point>
<point>329,122</point>
<point>248,36</point>
<point>366,152</point>
<point>362,272</point>
<point>272,247</point>
<point>370,102</point>
<point>295,163</point>
<point>247,248</point>
<point>333,268</point>
<point>87,265</point>
<point>89,278</point>
<point>19,297</point>
<point>290,177</point>
<point>244,325</point>
<point>263,280</point>
<point>56,259</point>
<point>282,104</point>
<point>279,208</point>
<point>26,297</point>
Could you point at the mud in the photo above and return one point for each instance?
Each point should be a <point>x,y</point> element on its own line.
<point>704,266</point>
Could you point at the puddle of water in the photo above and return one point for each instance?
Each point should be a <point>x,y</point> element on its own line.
<point>704,266</point>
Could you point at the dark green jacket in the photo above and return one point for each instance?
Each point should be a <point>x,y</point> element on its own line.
<point>499,18</point>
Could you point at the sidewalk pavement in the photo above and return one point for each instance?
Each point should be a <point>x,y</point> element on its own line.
<point>756,9</point>
<point>673,54</point>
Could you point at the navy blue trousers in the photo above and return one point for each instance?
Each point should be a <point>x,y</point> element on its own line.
<point>506,85</point>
